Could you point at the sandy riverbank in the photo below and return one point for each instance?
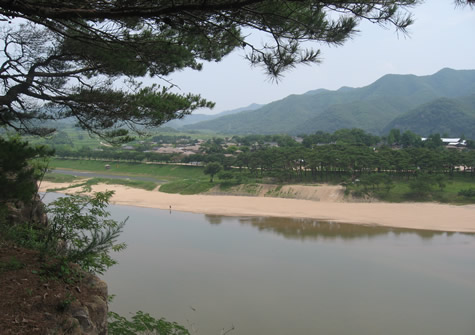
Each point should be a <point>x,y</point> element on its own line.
<point>429,216</point>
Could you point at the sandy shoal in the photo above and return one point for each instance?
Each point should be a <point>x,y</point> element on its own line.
<point>430,216</point>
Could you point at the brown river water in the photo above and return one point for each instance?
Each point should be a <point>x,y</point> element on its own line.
<point>271,276</point>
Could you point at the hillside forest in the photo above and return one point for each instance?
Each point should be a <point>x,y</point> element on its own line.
<point>443,102</point>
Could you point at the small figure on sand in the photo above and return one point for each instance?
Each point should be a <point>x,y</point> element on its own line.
<point>170,209</point>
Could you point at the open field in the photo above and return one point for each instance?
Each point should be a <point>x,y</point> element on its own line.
<point>159,171</point>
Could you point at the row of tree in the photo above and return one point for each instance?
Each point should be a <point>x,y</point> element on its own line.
<point>318,163</point>
<point>323,163</point>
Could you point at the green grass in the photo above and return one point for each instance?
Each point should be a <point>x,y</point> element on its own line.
<point>448,195</point>
<point>146,185</point>
<point>227,185</point>
<point>59,178</point>
<point>187,187</point>
<point>78,137</point>
<point>159,171</point>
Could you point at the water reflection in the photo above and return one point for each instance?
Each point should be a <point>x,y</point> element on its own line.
<point>214,219</point>
<point>257,274</point>
<point>311,229</point>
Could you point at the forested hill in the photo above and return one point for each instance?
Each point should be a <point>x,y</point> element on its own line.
<point>443,116</point>
<point>371,108</point>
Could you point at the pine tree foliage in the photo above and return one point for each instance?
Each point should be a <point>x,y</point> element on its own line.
<point>83,58</point>
<point>17,170</point>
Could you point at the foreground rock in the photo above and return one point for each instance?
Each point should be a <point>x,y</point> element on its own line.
<point>34,302</point>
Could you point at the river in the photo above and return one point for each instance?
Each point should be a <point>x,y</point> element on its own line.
<point>271,276</point>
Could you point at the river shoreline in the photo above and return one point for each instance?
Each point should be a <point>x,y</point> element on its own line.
<point>426,216</point>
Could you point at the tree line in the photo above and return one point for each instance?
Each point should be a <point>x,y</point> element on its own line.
<point>347,153</point>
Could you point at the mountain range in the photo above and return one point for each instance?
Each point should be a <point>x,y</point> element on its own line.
<point>443,102</point>
<point>195,118</point>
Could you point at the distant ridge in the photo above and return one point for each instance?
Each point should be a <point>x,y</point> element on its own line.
<point>194,118</point>
<point>371,108</point>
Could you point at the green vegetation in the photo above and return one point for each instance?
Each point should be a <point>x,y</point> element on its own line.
<point>69,64</point>
<point>187,186</point>
<point>469,193</point>
<point>448,116</point>
<point>423,190</point>
<point>79,231</point>
<point>211,169</point>
<point>59,178</point>
<point>83,82</point>
<point>391,168</point>
<point>159,171</point>
<point>143,323</point>
<point>146,185</point>
<point>20,165</point>
<point>393,101</point>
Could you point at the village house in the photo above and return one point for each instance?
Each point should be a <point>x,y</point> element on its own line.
<point>451,143</point>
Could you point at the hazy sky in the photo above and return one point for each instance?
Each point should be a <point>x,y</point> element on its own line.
<point>442,36</point>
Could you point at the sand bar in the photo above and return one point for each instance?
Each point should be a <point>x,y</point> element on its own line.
<point>430,216</point>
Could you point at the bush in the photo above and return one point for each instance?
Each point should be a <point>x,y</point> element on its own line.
<point>81,232</point>
<point>372,185</point>
<point>425,185</point>
<point>143,323</point>
<point>468,193</point>
<point>226,175</point>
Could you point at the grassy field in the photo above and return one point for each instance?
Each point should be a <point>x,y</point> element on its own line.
<point>449,194</point>
<point>159,171</point>
<point>146,185</point>
<point>181,179</point>
<point>59,178</point>
<point>187,186</point>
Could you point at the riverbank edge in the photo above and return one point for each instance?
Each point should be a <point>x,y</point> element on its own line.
<point>423,216</point>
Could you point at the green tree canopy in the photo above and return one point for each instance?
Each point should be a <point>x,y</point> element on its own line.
<point>212,169</point>
<point>84,58</point>
<point>17,173</point>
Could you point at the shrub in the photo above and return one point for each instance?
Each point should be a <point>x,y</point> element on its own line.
<point>81,232</point>
<point>469,193</point>
<point>143,323</point>
<point>425,185</point>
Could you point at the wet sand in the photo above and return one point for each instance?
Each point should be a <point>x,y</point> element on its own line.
<point>430,216</point>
